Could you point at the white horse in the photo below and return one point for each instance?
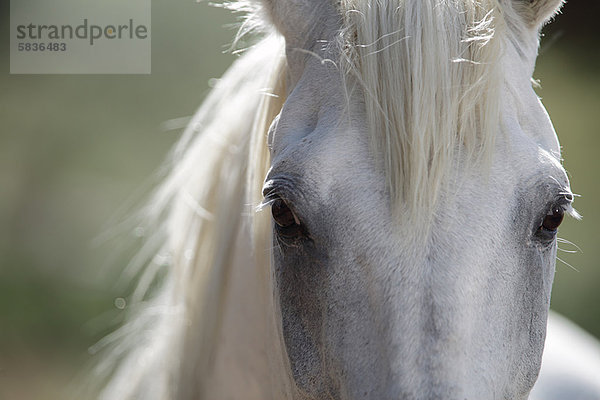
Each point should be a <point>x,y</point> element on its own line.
<point>415,188</point>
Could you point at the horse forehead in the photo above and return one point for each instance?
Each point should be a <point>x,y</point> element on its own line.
<point>330,153</point>
<point>316,109</point>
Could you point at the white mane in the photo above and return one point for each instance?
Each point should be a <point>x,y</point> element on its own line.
<point>430,76</point>
<point>219,164</point>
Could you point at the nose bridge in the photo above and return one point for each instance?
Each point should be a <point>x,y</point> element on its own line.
<point>454,306</point>
<point>431,300</point>
<point>427,336</point>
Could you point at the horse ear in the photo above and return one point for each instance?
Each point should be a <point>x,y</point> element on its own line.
<point>302,21</point>
<point>536,12</point>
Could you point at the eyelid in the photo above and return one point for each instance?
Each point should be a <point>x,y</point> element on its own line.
<point>567,195</point>
<point>565,200</point>
<point>276,188</point>
<point>285,186</point>
<point>270,192</point>
<point>267,200</point>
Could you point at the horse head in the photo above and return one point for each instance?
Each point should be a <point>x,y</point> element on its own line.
<point>416,188</point>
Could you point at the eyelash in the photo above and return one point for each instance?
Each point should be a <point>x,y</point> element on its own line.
<point>287,226</point>
<point>548,227</point>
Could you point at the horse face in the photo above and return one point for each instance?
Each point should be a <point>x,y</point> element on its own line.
<point>376,307</point>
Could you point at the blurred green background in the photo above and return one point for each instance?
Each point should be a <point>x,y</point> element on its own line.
<point>76,152</point>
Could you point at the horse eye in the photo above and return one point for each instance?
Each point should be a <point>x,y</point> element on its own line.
<point>282,215</point>
<point>553,219</point>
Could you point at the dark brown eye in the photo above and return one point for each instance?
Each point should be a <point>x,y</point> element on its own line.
<point>287,225</point>
<point>282,215</point>
<point>553,219</point>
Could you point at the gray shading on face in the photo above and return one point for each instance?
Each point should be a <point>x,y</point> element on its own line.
<point>368,313</point>
<point>374,307</point>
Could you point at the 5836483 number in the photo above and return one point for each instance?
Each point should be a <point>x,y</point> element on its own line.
<point>42,46</point>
